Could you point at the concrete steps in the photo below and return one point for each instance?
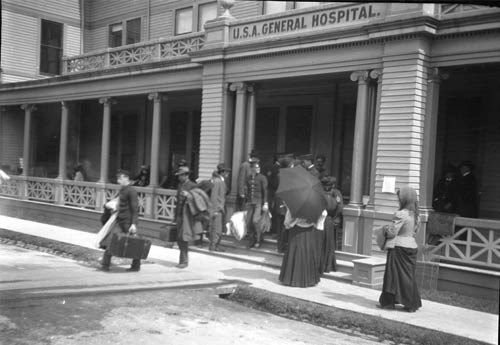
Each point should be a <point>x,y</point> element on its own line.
<point>267,255</point>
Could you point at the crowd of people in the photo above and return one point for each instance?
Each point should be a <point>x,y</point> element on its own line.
<point>308,246</point>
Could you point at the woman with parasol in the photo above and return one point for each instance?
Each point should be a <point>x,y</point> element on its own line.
<point>302,194</point>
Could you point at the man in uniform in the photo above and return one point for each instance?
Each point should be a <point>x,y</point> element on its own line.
<point>185,185</point>
<point>256,197</point>
<point>218,202</point>
<point>242,178</point>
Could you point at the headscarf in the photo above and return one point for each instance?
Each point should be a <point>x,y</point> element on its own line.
<point>408,200</point>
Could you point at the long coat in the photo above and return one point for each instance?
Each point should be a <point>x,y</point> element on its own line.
<point>467,200</point>
<point>183,218</point>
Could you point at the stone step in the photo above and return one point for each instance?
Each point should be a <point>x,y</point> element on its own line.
<point>267,255</point>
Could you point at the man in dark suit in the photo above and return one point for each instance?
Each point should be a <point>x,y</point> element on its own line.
<point>307,162</point>
<point>218,204</point>
<point>126,218</point>
<point>185,185</point>
<point>467,195</point>
<point>256,197</point>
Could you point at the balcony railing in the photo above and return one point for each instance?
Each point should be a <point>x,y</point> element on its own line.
<point>139,53</point>
<point>476,242</point>
<point>154,203</point>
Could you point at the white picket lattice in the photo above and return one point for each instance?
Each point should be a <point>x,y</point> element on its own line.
<point>85,63</point>
<point>112,193</point>
<point>141,196</point>
<point>10,188</point>
<point>473,245</point>
<point>40,191</point>
<point>165,207</point>
<point>132,55</point>
<point>83,196</point>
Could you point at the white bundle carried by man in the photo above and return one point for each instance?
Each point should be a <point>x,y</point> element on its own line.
<point>237,225</point>
<point>112,205</point>
<point>3,176</point>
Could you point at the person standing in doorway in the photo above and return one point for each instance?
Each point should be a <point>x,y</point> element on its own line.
<point>218,202</point>
<point>183,235</point>
<point>320,166</point>
<point>467,203</point>
<point>307,163</point>
<point>243,174</point>
<point>256,197</point>
<point>126,219</point>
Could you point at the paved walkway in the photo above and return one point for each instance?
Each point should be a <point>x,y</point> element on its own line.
<point>445,318</point>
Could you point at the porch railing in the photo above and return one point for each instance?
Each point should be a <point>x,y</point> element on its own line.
<point>138,53</point>
<point>154,203</point>
<point>476,242</point>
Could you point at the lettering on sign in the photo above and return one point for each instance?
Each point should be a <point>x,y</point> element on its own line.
<point>309,21</point>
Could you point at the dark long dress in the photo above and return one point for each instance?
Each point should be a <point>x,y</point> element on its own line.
<point>300,266</point>
<point>328,261</point>
<point>400,285</point>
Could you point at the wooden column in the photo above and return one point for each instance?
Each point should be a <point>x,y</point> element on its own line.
<point>360,131</point>
<point>250,127</point>
<point>376,75</point>
<point>430,132</point>
<point>28,116</point>
<point>157,99</point>
<point>63,140</point>
<point>239,130</point>
<point>106,138</point>
<point>189,139</point>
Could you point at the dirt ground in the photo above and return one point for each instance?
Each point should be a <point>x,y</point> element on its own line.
<point>154,317</point>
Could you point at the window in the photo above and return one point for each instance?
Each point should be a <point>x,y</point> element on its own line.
<point>132,33</point>
<point>184,21</point>
<point>271,7</point>
<point>115,35</point>
<point>206,12</point>
<point>51,47</point>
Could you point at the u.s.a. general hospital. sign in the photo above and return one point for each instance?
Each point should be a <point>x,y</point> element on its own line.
<point>309,21</point>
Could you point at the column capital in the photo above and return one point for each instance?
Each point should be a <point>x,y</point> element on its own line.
<point>375,73</point>
<point>435,75</point>
<point>239,87</point>
<point>157,96</point>
<point>65,104</point>
<point>29,107</point>
<point>107,100</point>
<point>359,76</point>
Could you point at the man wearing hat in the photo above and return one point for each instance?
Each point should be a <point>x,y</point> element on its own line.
<point>185,185</point>
<point>467,196</point>
<point>307,162</point>
<point>243,174</point>
<point>218,202</point>
<point>126,218</point>
<point>257,202</point>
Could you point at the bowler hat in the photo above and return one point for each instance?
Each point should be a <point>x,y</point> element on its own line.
<point>222,167</point>
<point>183,170</point>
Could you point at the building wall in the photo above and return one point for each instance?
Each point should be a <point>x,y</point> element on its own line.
<point>20,56</point>
<point>11,138</point>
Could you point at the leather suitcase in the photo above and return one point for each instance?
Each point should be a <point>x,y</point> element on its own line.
<point>168,233</point>
<point>127,246</point>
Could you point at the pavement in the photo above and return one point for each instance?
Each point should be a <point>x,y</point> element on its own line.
<point>213,270</point>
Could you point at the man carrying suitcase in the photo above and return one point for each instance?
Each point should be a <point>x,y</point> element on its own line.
<point>126,218</point>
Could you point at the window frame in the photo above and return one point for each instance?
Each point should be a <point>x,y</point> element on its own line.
<point>290,5</point>
<point>123,23</point>
<point>195,7</point>
<point>41,45</point>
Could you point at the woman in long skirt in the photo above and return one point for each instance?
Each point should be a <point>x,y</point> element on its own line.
<point>334,209</point>
<point>301,262</point>
<point>400,284</point>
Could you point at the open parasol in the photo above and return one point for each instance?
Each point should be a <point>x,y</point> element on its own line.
<point>302,193</point>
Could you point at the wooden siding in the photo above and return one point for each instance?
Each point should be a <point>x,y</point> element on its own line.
<point>19,45</point>
<point>11,137</point>
<point>213,98</point>
<point>245,9</point>
<point>67,11</point>
<point>400,136</point>
<point>71,40</point>
<point>162,24</point>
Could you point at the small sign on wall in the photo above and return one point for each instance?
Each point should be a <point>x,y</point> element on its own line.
<point>389,184</point>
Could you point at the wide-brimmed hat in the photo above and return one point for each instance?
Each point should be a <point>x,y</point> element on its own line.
<point>182,171</point>
<point>222,167</point>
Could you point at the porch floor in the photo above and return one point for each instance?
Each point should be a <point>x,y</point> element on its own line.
<point>330,292</point>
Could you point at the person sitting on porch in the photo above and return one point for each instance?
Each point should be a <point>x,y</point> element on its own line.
<point>467,205</point>
<point>142,180</point>
<point>79,173</point>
